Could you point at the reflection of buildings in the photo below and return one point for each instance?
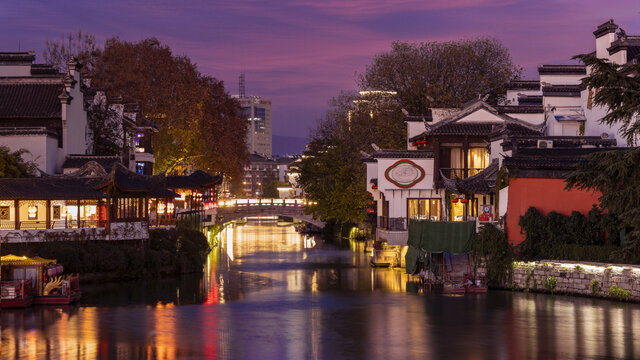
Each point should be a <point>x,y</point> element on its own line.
<point>261,170</point>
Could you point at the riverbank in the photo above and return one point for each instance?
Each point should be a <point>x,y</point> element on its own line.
<point>601,280</point>
<point>167,252</point>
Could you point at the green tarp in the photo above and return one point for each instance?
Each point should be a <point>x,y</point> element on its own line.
<point>439,236</point>
<point>411,260</point>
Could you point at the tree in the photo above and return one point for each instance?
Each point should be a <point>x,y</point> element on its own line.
<point>80,45</point>
<point>13,166</point>
<point>106,135</point>
<point>441,74</point>
<point>199,123</point>
<point>331,169</point>
<point>270,188</point>
<point>617,91</point>
<point>615,173</point>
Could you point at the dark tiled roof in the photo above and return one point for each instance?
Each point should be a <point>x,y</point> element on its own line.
<point>462,128</point>
<point>630,43</point>
<point>561,90</point>
<point>127,181</point>
<point>529,100</point>
<point>483,182</point>
<point>547,163</point>
<point>198,179</point>
<point>256,158</point>
<point>515,129</point>
<point>396,154</point>
<point>570,143</point>
<point>518,109</point>
<point>77,161</point>
<point>30,100</point>
<point>523,85</point>
<point>423,118</point>
<point>17,131</point>
<point>10,57</point>
<point>562,70</point>
<point>47,188</point>
<point>43,69</point>
<point>605,28</point>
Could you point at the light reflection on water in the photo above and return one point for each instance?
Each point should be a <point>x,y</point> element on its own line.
<point>268,293</point>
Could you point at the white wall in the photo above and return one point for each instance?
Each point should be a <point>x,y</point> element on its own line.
<point>15,70</point>
<point>414,128</point>
<point>561,79</point>
<point>439,114</point>
<point>42,149</point>
<point>534,119</point>
<point>75,118</point>
<point>480,115</point>
<point>604,42</point>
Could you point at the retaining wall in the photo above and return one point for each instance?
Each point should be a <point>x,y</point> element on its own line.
<point>577,278</point>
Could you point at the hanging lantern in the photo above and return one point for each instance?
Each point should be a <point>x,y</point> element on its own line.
<point>454,200</point>
<point>464,201</point>
<point>370,210</point>
<point>374,187</point>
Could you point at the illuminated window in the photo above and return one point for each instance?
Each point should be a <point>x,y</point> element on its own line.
<point>4,213</point>
<point>478,159</point>
<point>140,168</point>
<point>424,209</point>
<point>32,212</point>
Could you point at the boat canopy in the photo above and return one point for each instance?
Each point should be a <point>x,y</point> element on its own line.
<point>23,260</point>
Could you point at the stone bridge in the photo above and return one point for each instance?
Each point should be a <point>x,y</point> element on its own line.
<point>229,210</point>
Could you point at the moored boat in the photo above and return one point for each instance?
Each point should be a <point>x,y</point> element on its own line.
<point>38,281</point>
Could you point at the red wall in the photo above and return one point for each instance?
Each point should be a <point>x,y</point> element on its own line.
<point>546,195</point>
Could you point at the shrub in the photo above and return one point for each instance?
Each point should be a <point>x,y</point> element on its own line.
<point>491,246</point>
<point>595,286</point>
<point>619,293</point>
<point>550,283</point>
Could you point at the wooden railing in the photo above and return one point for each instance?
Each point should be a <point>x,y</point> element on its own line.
<point>52,224</point>
<point>241,204</point>
<point>16,289</point>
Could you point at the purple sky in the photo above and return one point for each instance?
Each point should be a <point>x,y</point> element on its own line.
<point>300,53</point>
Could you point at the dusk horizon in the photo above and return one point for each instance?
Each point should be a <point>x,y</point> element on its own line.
<point>300,53</point>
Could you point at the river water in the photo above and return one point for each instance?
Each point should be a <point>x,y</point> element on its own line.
<point>269,293</point>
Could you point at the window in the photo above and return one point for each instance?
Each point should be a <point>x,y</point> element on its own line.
<point>56,212</point>
<point>32,212</point>
<point>139,142</point>
<point>424,209</point>
<point>140,168</point>
<point>477,159</point>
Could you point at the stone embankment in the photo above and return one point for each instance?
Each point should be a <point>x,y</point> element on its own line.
<point>614,281</point>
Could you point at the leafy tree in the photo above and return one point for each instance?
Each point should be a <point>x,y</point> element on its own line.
<point>615,173</point>
<point>13,166</point>
<point>200,124</point>
<point>617,91</point>
<point>441,74</point>
<point>107,135</point>
<point>270,188</point>
<point>331,169</point>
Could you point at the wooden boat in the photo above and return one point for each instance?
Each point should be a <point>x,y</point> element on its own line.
<point>454,288</point>
<point>36,280</point>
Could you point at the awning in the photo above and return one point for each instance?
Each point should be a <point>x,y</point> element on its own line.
<point>23,260</point>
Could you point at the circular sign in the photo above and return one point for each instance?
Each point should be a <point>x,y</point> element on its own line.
<point>404,173</point>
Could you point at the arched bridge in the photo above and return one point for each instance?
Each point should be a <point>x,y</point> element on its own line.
<point>229,210</point>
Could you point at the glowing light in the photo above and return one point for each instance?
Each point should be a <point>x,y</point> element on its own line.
<point>33,212</point>
<point>170,208</point>
<point>161,208</point>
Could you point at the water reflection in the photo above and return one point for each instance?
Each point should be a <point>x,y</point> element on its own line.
<point>267,292</point>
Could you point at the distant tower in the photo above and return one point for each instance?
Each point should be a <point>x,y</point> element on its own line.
<point>241,85</point>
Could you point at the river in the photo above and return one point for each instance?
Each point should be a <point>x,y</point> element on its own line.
<point>269,293</point>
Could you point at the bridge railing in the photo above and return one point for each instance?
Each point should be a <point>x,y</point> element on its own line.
<point>238,204</point>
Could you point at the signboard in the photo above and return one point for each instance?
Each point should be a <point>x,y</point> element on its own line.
<point>404,173</point>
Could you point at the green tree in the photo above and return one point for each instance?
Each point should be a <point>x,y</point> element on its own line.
<point>441,74</point>
<point>13,166</point>
<point>270,188</point>
<point>618,89</point>
<point>615,173</point>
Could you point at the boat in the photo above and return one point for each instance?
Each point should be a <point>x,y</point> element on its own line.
<point>36,281</point>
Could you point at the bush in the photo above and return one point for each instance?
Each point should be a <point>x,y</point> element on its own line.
<point>491,246</point>
<point>619,293</point>
<point>595,286</point>
<point>574,237</point>
<point>550,283</point>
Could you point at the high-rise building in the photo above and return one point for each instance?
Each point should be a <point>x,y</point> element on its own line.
<point>257,111</point>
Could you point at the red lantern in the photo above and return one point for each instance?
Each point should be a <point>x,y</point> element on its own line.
<point>370,210</point>
<point>454,200</point>
<point>375,187</point>
<point>464,201</point>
